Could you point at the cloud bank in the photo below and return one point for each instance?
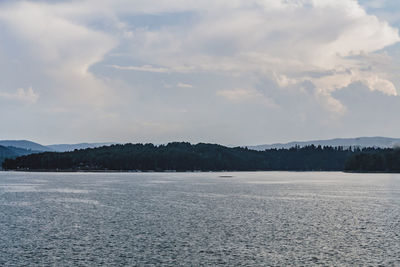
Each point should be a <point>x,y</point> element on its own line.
<point>112,70</point>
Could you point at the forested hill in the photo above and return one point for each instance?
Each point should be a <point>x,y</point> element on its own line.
<point>24,144</point>
<point>5,153</point>
<point>185,157</point>
<point>12,152</point>
<point>374,160</point>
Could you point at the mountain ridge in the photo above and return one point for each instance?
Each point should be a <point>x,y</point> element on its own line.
<point>25,144</point>
<point>376,141</point>
<point>72,147</point>
<point>36,147</point>
<point>183,156</point>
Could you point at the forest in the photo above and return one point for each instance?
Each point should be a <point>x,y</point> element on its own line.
<point>181,156</point>
<point>374,160</point>
<point>10,152</point>
<point>184,157</point>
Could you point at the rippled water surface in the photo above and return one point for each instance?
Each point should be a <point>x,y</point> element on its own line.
<point>194,219</point>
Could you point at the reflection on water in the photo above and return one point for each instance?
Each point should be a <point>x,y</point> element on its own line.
<point>260,218</point>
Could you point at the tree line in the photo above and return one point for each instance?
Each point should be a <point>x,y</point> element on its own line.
<point>374,160</point>
<point>182,156</point>
<point>12,152</point>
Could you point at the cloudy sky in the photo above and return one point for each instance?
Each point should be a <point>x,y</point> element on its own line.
<point>233,72</point>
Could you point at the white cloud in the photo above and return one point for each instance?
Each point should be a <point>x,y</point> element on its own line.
<point>27,96</point>
<point>284,40</point>
<point>239,94</point>
<point>336,81</point>
<point>61,50</point>
<point>122,62</point>
<point>284,33</point>
<point>146,68</point>
<point>184,85</point>
<point>276,38</point>
<point>375,83</point>
<point>246,95</point>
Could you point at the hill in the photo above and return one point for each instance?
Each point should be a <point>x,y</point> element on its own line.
<point>25,144</point>
<point>12,152</point>
<point>374,160</point>
<point>5,153</point>
<point>361,142</point>
<point>72,147</point>
<point>184,157</point>
<point>29,145</point>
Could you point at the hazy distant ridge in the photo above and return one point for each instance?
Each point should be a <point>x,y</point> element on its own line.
<point>25,144</point>
<point>381,142</point>
<point>72,147</point>
<point>36,147</point>
<point>378,142</point>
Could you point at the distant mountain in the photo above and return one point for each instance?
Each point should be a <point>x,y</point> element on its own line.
<point>377,142</point>
<point>72,147</point>
<point>29,145</point>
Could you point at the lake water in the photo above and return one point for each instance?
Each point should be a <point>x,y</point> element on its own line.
<point>195,219</point>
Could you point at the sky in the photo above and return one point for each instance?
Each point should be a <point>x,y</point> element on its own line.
<point>234,72</point>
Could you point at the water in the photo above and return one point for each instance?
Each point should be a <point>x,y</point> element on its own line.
<point>195,219</point>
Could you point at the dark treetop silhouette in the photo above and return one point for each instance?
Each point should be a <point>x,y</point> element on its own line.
<point>210,157</point>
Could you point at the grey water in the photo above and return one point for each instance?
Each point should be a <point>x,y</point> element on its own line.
<point>199,219</point>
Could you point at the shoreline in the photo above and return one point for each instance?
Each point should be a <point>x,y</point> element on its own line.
<point>173,171</point>
<point>166,171</point>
